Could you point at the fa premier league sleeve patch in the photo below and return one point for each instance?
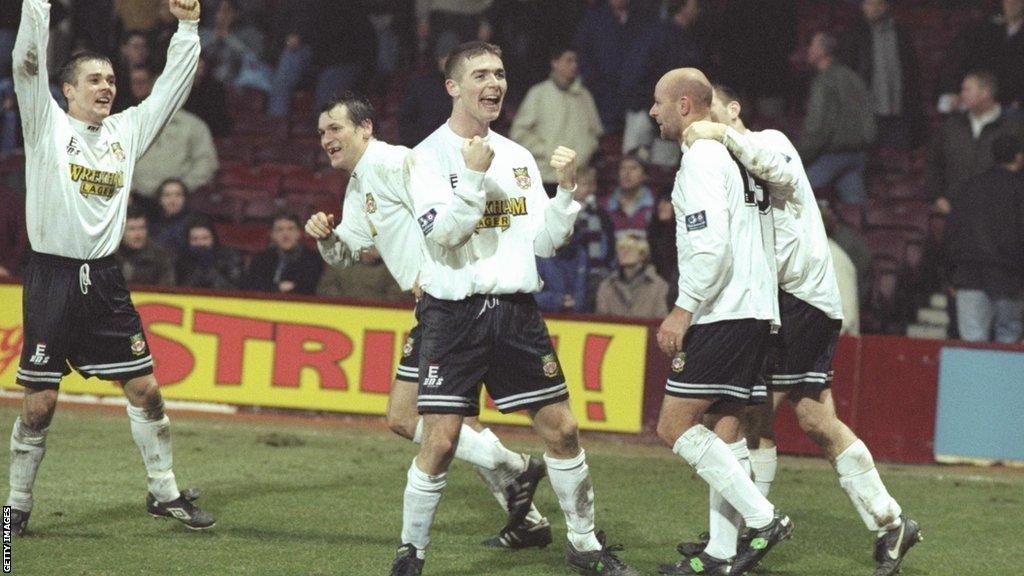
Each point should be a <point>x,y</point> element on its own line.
<point>426,221</point>
<point>696,221</point>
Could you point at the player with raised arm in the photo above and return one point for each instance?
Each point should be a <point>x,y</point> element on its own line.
<point>378,212</point>
<point>801,354</point>
<point>717,332</point>
<point>479,319</point>
<point>77,309</point>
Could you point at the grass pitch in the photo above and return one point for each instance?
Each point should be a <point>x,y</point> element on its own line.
<point>307,498</point>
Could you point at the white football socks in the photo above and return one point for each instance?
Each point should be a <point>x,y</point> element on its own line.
<point>725,521</point>
<point>422,496</point>
<point>153,437</point>
<point>763,463</point>
<point>27,449</point>
<point>860,480</point>
<point>717,465</point>
<point>570,480</point>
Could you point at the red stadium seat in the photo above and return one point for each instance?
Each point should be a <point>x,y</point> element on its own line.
<point>324,181</point>
<point>247,237</point>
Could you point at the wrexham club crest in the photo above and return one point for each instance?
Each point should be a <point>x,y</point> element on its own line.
<point>138,344</point>
<point>371,204</point>
<point>678,362</point>
<point>549,365</point>
<point>522,177</point>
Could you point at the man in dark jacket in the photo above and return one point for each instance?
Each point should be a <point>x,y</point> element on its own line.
<point>882,52</point>
<point>962,148</point>
<point>985,248</point>
<point>142,260</point>
<point>995,44</point>
<point>287,267</point>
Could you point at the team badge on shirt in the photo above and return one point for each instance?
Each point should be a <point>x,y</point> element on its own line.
<point>549,365</point>
<point>522,177</point>
<point>696,221</point>
<point>117,150</point>
<point>371,204</point>
<point>138,344</point>
<point>407,349</point>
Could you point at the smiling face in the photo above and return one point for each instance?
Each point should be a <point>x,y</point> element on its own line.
<point>341,139</point>
<point>478,89</point>
<point>92,94</point>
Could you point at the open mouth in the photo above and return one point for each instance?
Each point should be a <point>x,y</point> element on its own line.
<point>332,151</point>
<point>491,103</point>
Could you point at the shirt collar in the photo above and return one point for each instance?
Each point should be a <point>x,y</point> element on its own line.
<point>366,159</point>
<point>454,138</point>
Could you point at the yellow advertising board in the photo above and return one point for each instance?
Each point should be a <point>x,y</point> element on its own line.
<point>332,357</point>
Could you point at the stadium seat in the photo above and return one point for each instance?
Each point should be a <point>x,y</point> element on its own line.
<point>247,237</point>
<point>911,215</point>
<point>324,181</point>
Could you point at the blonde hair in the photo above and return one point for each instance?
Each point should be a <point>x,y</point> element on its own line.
<point>633,240</point>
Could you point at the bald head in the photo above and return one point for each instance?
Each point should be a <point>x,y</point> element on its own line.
<point>681,97</point>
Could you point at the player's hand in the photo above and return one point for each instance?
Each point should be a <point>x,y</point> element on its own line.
<point>185,9</point>
<point>672,330</point>
<point>563,160</point>
<point>320,225</point>
<point>704,130</point>
<point>478,154</point>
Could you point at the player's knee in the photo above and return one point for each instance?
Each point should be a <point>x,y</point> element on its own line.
<point>817,426</point>
<point>144,392</point>
<point>440,446</point>
<point>568,436</point>
<point>402,423</point>
<point>38,414</point>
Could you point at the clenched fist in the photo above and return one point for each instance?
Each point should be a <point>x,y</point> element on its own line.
<point>320,225</point>
<point>704,130</point>
<point>563,160</point>
<point>478,154</point>
<point>185,9</point>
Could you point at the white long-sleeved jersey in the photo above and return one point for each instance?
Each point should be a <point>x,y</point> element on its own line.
<point>801,245</point>
<point>496,254</point>
<point>378,211</point>
<point>726,253</point>
<point>76,174</point>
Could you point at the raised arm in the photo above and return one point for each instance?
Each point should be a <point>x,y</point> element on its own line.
<point>561,211</point>
<point>31,82</point>
<point>175,82</point>
<point>447,216</point>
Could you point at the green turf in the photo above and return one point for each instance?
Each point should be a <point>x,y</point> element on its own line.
<point>302,499</point>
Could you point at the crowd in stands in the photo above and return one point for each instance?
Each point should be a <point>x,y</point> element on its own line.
<point>907,115</point>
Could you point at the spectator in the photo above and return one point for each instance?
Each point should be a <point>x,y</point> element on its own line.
<point>685,41</point>
<point>205,262</point>
<point>661,236</point>
<point>839,125</point>
<point>13,236</point>
<point>596,233</point>
<point>631,203</point>
<point>169,227</point>
<point>466,19</point>
<point>558,112</point>
<point>754,44</point>
<point>143,261</point>
<point>962,148</point>
<point>853,244</point>
<point>883,54</point>
<point>287,267</point>
<point>340,62</point>
<point>849,292</point>
<point>134,53</point>
<point>426,104</point>
<point>228,44</point>
<point>618,48</point>
<point>565,278</point>
<point>634,290</point>
<point>367,279</point>
<point>209,101</point>
<point>138,15</point>
<point>9,122</point>
<point>985,248</point>
<point>995,45</point>
<point>184,149</point>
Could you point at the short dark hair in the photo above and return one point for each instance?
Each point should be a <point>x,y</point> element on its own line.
<point>172,180</point>
<point>135,212</point>
<point>729,94</point>
<point>464,52</point>
<point>291,217</point>
<point>359,107</point>
<point>559,49</point>
<point>987,79</point>
<point>1005,148</point>
<point>69,71</point>
<point>201,221</point>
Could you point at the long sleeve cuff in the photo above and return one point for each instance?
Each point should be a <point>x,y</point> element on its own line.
<point>687,302</point>
<point>188,26</point>
<point>474,179</point>
<point>563,197</point>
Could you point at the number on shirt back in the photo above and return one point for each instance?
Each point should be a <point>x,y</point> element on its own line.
<point>753,190</point>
